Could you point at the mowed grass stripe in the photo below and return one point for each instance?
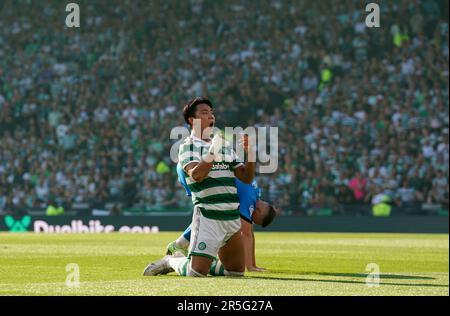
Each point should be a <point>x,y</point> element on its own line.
<point>298,263</point>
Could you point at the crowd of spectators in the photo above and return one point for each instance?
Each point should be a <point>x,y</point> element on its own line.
<point>86,113</point>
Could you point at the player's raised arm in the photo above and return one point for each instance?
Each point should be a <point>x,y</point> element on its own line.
<point>200,170</point>
<point>245,172</point>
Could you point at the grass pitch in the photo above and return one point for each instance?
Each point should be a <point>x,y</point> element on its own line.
<point>298,263</point>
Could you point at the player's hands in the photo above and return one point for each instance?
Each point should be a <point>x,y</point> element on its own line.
<point>244,142</point>
<point>215,151</point>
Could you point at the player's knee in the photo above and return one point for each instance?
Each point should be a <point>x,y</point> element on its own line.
<point>200,266</point>
<point>235,273</point>
<point>192,273</point>
<point>237,268</point>
<point>201,272</point>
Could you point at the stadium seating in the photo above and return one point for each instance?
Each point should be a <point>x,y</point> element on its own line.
<point>86,114</point>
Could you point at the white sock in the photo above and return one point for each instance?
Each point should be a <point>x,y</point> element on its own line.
<point>217,269</point>
<point>182,266</point>
<point>234,274</point>
<point>193,273</point>
<point>182,242</point>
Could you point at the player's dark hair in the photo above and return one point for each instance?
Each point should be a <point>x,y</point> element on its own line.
<point>190,108</point>
<point>269,217</point>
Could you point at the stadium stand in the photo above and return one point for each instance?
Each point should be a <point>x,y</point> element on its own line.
<point>86,113</point>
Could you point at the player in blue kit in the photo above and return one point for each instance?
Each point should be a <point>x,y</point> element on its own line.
<point>252,211</point>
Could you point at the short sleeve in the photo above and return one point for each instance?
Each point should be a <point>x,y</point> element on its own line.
<point>188,153</point>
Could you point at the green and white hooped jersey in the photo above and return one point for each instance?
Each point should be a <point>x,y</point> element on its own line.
<point>217,194</point>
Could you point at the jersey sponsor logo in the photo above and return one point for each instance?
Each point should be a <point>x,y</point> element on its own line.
<point>220,166</point>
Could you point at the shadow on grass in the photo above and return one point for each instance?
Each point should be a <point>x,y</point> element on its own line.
<point>390,276</point>
<point>382,276</point>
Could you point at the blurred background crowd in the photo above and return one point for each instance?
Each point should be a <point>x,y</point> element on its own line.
<point>86,113</point>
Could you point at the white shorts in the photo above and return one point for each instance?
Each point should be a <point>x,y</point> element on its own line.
<point>209,235</point>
